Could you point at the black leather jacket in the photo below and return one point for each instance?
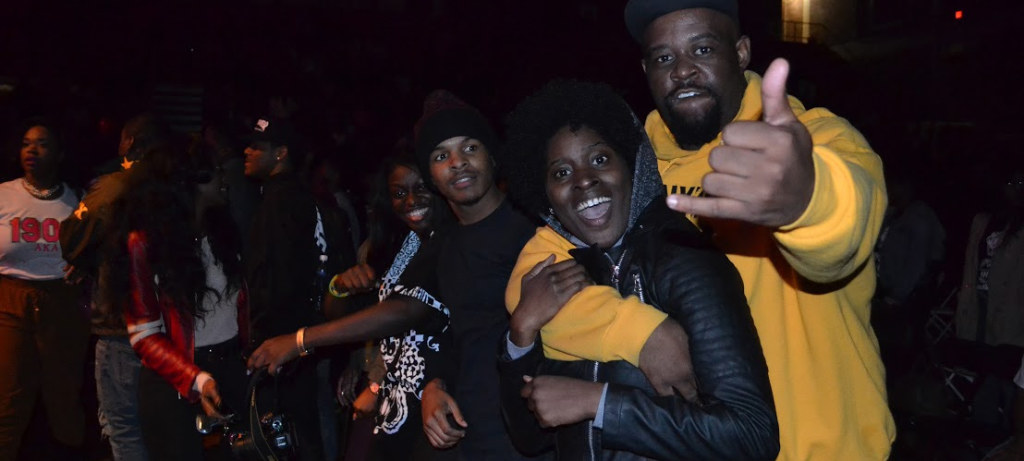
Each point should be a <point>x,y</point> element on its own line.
<point>668,263</point>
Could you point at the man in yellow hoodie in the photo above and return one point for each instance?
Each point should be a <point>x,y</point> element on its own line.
<point>795,198</point>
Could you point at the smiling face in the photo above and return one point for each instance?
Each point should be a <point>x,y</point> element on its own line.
<point>694,61</point>
<point>462,170</point>
<point>410,199</point>
<point>589,186</point>
<point>40,154</point>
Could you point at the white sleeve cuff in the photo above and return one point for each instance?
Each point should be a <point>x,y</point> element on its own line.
<point>200,381</point>
<point>515,352</point>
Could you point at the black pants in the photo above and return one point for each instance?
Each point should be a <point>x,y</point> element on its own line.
<point>168,420</point>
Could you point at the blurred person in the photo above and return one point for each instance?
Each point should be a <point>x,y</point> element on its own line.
<point>908,254</point>
<point>327,186</point>
<point>990,304</point>
<point>188,318</point>
<point>794,197</point>
<point>294,244</point>
<point>911,244</point>
<point>582,162</point>
<point>43,334</point>
<point>85,236</point>
<point>243,193</point>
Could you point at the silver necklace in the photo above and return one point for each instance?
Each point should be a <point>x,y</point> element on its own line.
<point>43,194</point>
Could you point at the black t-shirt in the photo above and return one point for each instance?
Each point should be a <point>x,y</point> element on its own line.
<point>474,265</point>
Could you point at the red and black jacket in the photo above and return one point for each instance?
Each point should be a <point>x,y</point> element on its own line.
<point>160,334</point>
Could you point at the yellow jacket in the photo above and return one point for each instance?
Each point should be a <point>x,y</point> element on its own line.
<point>809,285</point>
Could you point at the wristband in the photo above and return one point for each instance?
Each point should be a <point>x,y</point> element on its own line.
<point>300,342</point>
<point>334,291</point>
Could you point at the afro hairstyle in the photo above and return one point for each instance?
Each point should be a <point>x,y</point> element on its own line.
<point>562,103</point>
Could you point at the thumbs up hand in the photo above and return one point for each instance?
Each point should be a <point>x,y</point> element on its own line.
<point>763,172</point>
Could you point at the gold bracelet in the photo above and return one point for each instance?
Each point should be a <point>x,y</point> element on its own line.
<point>300,342</point>
<point>334,291</point>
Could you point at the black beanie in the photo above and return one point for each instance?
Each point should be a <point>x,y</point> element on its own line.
<point>641,13</point>
<point>446,116</point>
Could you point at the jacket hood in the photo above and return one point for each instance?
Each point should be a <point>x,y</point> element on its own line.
<point>647,186</point>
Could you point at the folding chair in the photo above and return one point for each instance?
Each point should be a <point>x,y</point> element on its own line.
<point>939,325</point>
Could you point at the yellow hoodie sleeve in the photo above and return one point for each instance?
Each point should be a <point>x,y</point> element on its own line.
<point>836,233</point>
<point>595,324</point>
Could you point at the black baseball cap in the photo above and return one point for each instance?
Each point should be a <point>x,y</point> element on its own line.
<point>276,131</point>
<point>641,13</point>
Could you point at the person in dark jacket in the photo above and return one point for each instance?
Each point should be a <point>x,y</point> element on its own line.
<point>290,240</point>
<point>87,241</point>
<point>575,145</point>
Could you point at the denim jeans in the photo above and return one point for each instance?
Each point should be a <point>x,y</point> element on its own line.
<point>117,388</point>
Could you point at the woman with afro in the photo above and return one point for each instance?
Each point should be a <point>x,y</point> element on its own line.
<point>583,163</point>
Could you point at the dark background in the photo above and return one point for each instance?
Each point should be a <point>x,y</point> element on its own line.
<point>937,97</point>
<point>918,82</point>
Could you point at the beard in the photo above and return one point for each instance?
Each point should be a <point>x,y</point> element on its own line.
<point>693,131</point>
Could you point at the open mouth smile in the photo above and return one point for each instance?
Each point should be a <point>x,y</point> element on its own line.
<point>418,214</point>
<point>594,209</point>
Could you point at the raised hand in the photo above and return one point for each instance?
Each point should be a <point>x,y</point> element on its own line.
<point>546,288</point>
<point>557,400</point>
<point>763,172</point>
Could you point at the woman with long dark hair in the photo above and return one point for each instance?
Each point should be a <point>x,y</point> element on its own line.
<point>187,317</point>
<point>43,336</point>
<point>404,216</point>
<point>990,307</point>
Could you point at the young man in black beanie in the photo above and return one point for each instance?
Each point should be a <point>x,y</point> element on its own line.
<point>467,267</point>
<point>454,146</point>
